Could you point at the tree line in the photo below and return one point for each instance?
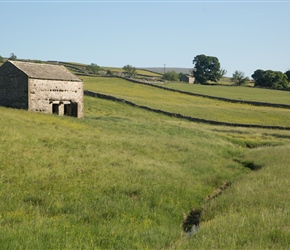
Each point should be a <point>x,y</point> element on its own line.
<point>207,68</point>
<point>12,57</point>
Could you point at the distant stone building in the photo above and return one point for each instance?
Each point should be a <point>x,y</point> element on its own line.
<point>41,87</point>
<point>187,78</point>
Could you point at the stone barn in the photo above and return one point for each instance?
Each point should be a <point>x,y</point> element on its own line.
<point>39,87</point>
<point>187,78</point>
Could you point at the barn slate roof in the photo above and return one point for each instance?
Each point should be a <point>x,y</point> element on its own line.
<point>45,71</point>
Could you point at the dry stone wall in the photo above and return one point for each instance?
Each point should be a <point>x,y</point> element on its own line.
<point>264,104</point>
<point>177,115</point>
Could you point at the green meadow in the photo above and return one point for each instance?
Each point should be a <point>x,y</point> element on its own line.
<point>124,178</point>
<point>254,212</point>
<point>235,92</point>
<point>138,71</point>
<point>193,106</point>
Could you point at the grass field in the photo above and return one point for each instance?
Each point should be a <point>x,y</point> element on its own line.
<point>138,71</point>
<point>254,212</point>
<point>235,92</point>
<point>123,178</point>
<point>189,105</point>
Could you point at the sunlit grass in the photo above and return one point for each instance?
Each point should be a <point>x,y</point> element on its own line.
<point>236,92</point>
<point>254,212</point>
<point>189,105</point>
<point>138,71</point>
<point>120,178</point>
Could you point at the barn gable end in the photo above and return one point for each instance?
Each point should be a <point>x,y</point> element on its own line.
<point>44,87</point>
<point>13,87</point>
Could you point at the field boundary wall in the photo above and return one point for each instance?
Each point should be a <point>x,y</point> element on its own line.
<point>178,115</point>
<point>261,104</point>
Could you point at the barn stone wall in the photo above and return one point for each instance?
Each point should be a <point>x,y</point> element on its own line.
<point>188,79</point>
<point>13,88</point>
<point>54,96</point>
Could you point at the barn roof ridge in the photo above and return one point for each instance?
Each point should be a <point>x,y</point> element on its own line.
<point>45,71</point>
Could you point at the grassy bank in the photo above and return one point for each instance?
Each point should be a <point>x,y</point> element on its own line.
<point>123,178</point>
<point>254,212</point>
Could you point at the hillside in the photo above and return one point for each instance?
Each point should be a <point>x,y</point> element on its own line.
<point>192,106</point>
<point>160,70</point>
<point>124,177</point>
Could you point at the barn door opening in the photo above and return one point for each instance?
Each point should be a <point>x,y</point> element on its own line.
<point>55,109</point>
<point>71,109</point>
<point>74,107</point>
<point>67,109</point>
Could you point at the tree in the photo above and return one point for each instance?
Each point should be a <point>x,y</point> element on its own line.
<point>257,74</point>
<point>130,71</point>
<point>1,58</point>
<point>109,73</point>
<point>207,68</point>
<point>270,79</point>
<point>12,56</point>
<point>222,73</point>
<point>171,76</point>
<point>239,78</point>
<point>287,73</point>
<point>94,68</point>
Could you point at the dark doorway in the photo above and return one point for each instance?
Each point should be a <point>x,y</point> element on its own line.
<point>71,109</point>
<point>67,109</point>
<point>55,109</point>
<point>74,109</point>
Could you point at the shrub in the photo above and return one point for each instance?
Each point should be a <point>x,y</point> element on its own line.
<point>171,76</point>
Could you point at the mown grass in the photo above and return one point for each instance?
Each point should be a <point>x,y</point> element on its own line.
<point>236,92</point>
<point>142,72</point>
<point>188,105</point>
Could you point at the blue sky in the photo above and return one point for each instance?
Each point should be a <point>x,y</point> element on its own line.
<point>243,35</point>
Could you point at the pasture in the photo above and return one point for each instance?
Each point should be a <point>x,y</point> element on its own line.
<point>123,177</point>
<point>197,107</point>
<point>235,92</point>
<point>138,71</point>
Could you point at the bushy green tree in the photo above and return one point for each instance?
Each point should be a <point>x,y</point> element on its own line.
<point>1,58</point>
<point>12,56</point>
<point>222,73</point>
<point>206,68</point>
<point>94,68</point>
<point>270,79</point>
<point>171,76</point>
<point>130,71</point>
<point>257,74</point>
<point>239,78</point>
<point>109,72</point>
<point>287,73</point>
